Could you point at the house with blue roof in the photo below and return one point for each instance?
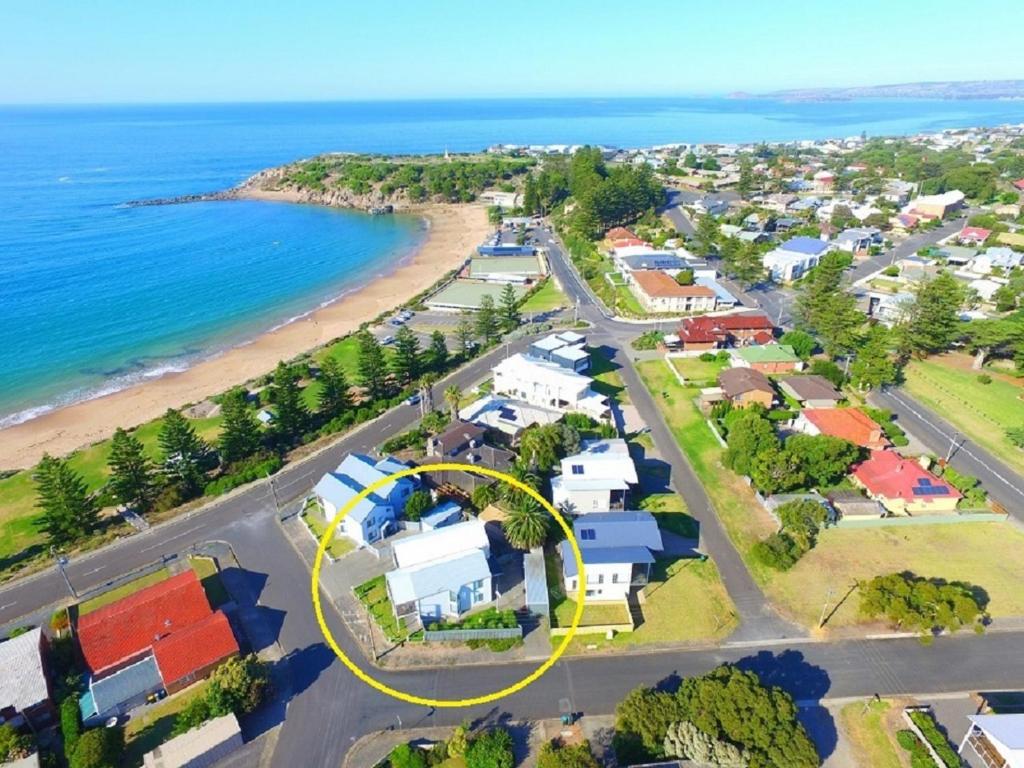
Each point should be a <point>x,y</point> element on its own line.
<point>807,246</point>
<point>794,258</point>
<point>374,516</point>
<point>618,549</point>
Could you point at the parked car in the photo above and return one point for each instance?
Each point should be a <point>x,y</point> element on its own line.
<point>387,340</point>
<point>412,399</point>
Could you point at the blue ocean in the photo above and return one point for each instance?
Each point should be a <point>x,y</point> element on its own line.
<point>95,295</point>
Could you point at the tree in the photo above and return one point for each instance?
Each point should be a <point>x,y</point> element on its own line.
<point>690,160</point>
<point>492,749</point>
<point>643,719</point>
<point>466,336</point>
<point>749,434</point>
<point>333,399</point>
<point>453,396</point>
<point>540,446</point>
<point>13,745</point>
<point>239,430</point>
<point>745,185</point>
<point>98,748</point>
<point>995,337</point>
<point>684,277</point>
<point>459,741</point>
<point>487,320</point>
<point>776,470</point>
<point>934,322</point>
<point>132,476</point>
<point>918,603</point>
<point>828,370</point>
<point>240,685</point>
<point>437,352</point>
<point>554,754</point>
<point>407,756</point>
<point>825,308</point>
<point>707,234</point>
<point>741,262</point>
<point>406,362</point>
<point>70,722</point>
<point>194,714</point>
<point>69,510</point>
<point>873,367</point>
<point>526,525</point>
<point>371,366</point>
<point>685,740</point>
<point>803,343</point>
<point>291,416</point>
<point>823,459</point>
<point>417,503</point>
<point>509,305</point>
<point>184,453</point>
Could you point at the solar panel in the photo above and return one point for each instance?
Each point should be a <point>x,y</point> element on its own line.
<point>507,414</point>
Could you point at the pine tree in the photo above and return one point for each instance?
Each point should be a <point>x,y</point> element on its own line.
<point>437,352</point>
<point>333,399</point>
<point>934,318</point>
<point>406,361</point>
<point>69,511</point>
<point>183,453</point>
<point>291,416</point>
<point>707,234</point>
<point>372,367</point>
<point>746,182</point>
<point>466,335</point>
<point>510,317</point>
<point>873,367</point>
<point>826,309</point>
<point>487,320</point>
<point>132,478</point>
<point>239,430</point>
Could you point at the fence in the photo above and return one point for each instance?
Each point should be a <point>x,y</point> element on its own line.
<point>935,519</point>
<point>594,629</point>
<point>463,635</point>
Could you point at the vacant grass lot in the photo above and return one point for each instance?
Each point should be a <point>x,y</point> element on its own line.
<point>870,728</point>
<point>947,385</point>
<point>989,555</point>
<point>19,517</point>
<point>698,372</point>
<point>547,298</point>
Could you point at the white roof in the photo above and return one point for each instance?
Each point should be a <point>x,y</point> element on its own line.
<point>1006,732</point>
<point>524,368</point>
<point>549,343</point>
<point>571,337</point>
<point>439,543</point>
<point>507,415</point>
<point>202,745</point>
<point>952,197</point>
<point>633,250</point>
<point>602,464</point>
<point>446,574</point>
<point>22,679</point>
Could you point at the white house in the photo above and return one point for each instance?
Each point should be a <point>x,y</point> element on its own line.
<point>997,740</point>
<point>598,478</point>
<point>793,258</point>
<point>996,258</point>
<point>660,293</point>
<point>374,516</point>
<point>618,549</point>
<point>508,416</point>
<point>858,239</point>
<point>441,573</point>
<point>548,385</point>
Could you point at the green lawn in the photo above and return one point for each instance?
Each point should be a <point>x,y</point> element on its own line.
<point>948,386</point>
<point>123,591</point>
<point>607,379</point>
<point>153,727</point>
<point>19,517</point>
<point>872,739</point>
<point>209,576</point>
<point>698,372</point>
<point>669,510</point>
<point>545,299</point>
<point>339,546</point>
<point>374,595</point>
<point>594,614</point>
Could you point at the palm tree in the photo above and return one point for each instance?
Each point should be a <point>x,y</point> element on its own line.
<point>526,526</point>
<point>452,396</point>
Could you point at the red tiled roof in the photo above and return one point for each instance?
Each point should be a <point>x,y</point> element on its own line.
<point>130,627</point>
<point>1019,184</point>
<point>890,476</point>
<point>627,242</point>
<point>197,646</point>
<point>620,233</point>
<point>847,423</point>
<point>660,285</point>
<point>705,328</point>
<point>974,233</point>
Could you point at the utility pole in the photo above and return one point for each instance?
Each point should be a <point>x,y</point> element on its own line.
<point>824,608</point>
<point>273,490</point>
<point>62,562</point>
<point>952,446</point>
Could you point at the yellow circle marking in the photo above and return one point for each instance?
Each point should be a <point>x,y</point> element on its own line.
<point>411,698</point>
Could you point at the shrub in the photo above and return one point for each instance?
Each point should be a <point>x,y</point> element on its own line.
<point>926,723</point>
<point>648,340</point>
<point>492,749</point>
<point>407,756</point>
<point>195,713</point>
<point>891,271</point>
<point>707,357</point>
<point>1016,436</point>
<point>70,723</point>
<point>246,471</point>
<point>779,551</point>
<point>984,378</point>
<point>13,745</point>
<point>98,748</point>
<point>417,503</point>
<point>484,496</point>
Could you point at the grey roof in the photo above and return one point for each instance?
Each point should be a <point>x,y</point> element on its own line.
<point>811,387</point>
<point>440,513</point>
<point>572,354</point>
<point>22,678</point>
<point>808,246</point>
<point>447,574</point>
<point>352,477</point>
<point>737,381</point>
<point>604,556</point>
<point>132,681</point>
<point>724,297</point>
<point>203,745</point>
<point>1007,729</point>
<point>535,577</point>
<point>653,261</point>
<point>612,529</point>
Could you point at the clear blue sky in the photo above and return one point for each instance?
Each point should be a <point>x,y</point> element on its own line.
<point>238,50</point>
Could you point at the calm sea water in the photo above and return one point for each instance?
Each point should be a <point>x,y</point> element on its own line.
<point>94,295</point>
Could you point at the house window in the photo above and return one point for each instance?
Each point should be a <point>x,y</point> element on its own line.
<point>590,593</point>
<point>577,469</point>
<point>615,578</point>
<point>588,534</point>
<point>600,578</point>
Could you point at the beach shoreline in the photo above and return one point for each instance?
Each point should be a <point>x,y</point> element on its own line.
<point>453,231</point>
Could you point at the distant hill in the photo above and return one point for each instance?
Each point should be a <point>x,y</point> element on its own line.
<point>967,89</point>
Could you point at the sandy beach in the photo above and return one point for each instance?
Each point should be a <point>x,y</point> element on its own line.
<point>454,231</point>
